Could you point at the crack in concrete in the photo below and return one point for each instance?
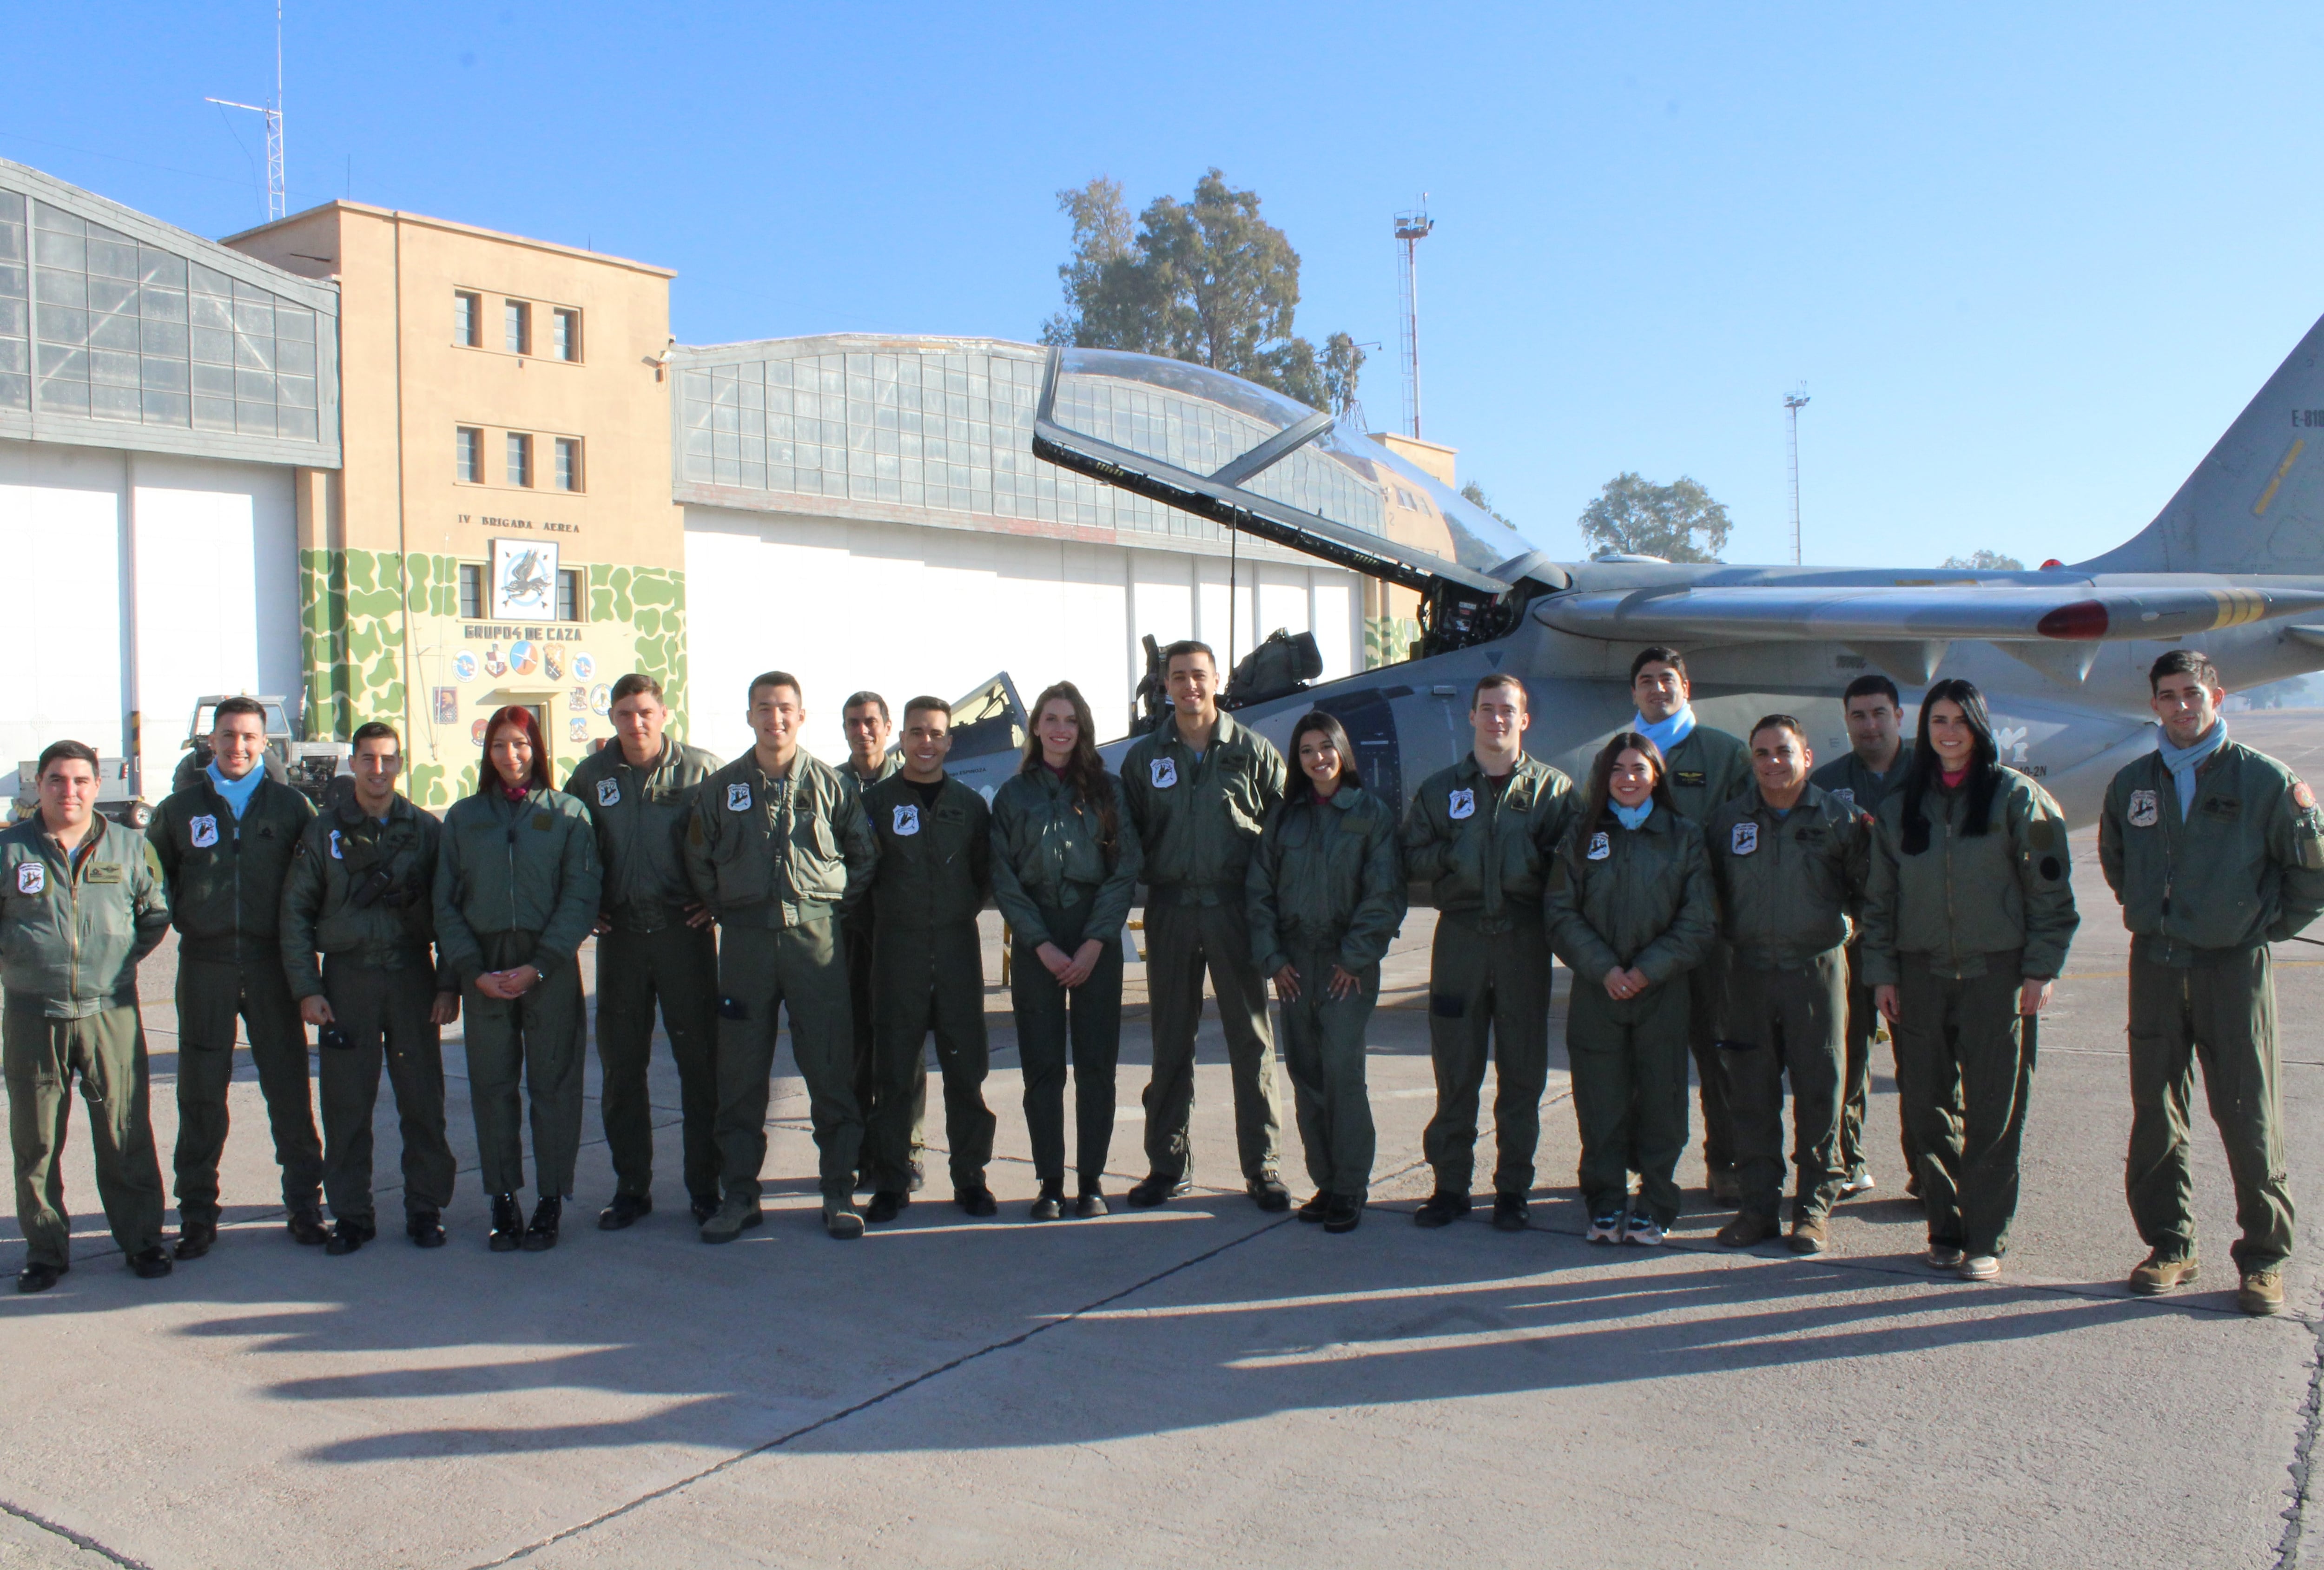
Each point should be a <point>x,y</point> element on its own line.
<point>528,1550</point>
<point>86,1545</point>
<point>2303,1460</point>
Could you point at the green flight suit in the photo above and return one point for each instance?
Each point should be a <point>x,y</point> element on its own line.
<point>1787,885</point>
<point>1058,881</point>
<point>2204,887</point>
<point>1707,769</point>
<point>855,932</point>
<point>1326,890</point>
<point>72,930</point>
<point>648,953</point>
<point>1850,776</point>
<point>1484,847</point>
<point>1643,899</point>
<point>517,883</point>
<point>224,878</point>
<point>782,863</point>
<point>934,875</point>
<point>362,891</point>
<point>1956,927</point>
<point>1197,819</point>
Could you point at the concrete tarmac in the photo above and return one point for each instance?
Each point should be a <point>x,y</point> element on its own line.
<point>1198,1383</point>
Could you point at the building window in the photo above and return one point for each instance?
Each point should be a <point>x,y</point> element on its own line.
<point>467,319</point>
<point>472,591</point>
<point>517,318</point>
<point>568,595</point>
<point>568,463</point>
<point>520,459</point>
<point>468,454</point>
<point>565,333</point>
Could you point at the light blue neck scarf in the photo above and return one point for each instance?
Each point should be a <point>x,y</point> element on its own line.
<point>237,792</point>
<point>2182,762</point>
<point>1669,732</point>
<point>1632,817</point>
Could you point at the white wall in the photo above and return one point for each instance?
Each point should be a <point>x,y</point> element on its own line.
<point>903,610</point>
<point>208,600</point>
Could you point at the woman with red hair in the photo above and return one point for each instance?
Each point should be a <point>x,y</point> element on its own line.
<point>516,891</point>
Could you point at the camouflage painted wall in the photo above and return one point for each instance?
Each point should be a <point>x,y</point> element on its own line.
<point>356,604</point>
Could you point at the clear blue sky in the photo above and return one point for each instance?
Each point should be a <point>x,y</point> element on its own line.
<point>2029,261</point>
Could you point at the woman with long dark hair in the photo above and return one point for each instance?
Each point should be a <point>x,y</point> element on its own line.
<point>1968,913</point>
<point>1065,860</point>
<point>1325,896</point>
<point>1631,910</point>
<point>517,885</point>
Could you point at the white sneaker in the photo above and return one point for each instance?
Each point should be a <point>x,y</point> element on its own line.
<point>1605,1229</point>
<point>1860,1181</point>
<point>1979,1268</point>
<point>1645,1231</point>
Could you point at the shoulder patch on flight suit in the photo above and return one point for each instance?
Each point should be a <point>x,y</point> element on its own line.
<point>2051,870</point>
<point>2043,834</point>
<point>105,872</point>
<point>1746,838</point>
<point>1601,845</point>
<point>1164,772</point>
<point>1460,805</point>
<point>1694,777</point>
<point>202,831</point>
<point>2145,807</point>
<point>2301,797</point>
<point>907,821</point>
<point>609,792</point>
<point>738,797</point>
<point>32,877</point>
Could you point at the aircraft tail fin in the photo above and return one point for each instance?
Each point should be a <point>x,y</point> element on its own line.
<point>2255,504</point>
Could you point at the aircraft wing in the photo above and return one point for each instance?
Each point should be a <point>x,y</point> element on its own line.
<point>2074,611</point>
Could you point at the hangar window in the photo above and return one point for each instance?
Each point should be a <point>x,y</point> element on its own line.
<point>519,458</point>
<point>565,333</point>
<point>568,463</point>
<point>468,454</point>
<point>467,319</point>
<point>516,327</point>
<point>568,594</point>
<point>472,591</point>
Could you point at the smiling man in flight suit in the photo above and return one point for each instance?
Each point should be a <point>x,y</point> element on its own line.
<point>928,962</point>
<point>225,844</point>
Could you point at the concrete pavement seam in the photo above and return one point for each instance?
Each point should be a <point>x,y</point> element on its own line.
<point>2303,1457</point>
<point>86,1545</point>
<point>869,1401</point>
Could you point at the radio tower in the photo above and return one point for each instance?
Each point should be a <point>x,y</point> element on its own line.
<point>1793,403</point>
<point>278,195</point>
<point>1411,228</point>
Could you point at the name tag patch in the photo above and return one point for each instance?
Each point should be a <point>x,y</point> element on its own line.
<point>1694,777</point>
<point>32,878</point>
<point>609,792</point>
<point>738,797</point>
<point>204,831</point>
<point>543,820</point>
<point>907,821</point>
<point>1164,773</point>
<point>1463,804</point>
<point>1746,838</point>
<point>105,872</point>
<point>2145,809</point>
<point>1601,845</point>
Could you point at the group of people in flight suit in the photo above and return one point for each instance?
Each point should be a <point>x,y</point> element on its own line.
<point>1715,898</point>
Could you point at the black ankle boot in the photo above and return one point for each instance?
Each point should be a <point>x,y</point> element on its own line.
<point>508,1225</point>
<point>542,1233</point>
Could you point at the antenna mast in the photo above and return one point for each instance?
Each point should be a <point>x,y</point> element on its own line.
<point>1793,403</point>
<point>278,194</point>
<point>1411,228</point>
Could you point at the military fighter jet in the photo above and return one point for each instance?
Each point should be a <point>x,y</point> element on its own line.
<point>2235,563</point>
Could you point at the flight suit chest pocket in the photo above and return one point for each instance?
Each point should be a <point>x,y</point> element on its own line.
<point>811,830</point>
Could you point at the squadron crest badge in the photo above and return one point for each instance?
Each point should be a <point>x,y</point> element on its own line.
<point>1164,773</point>
<point>1601,845</point>
<point>738,797</point>
<point>907,821</point>
<point>609,792</point>
<point>1746,838</point>
<point>204,831</point>
<point>2144,808</point>
<point>1463,804</point>
<point>32,878</point>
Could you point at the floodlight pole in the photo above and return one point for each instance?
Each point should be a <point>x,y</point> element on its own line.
<point>1793,403</point>
<point>1411,228</point>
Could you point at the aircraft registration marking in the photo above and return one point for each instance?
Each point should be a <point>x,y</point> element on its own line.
<point>2259,508</point>
<point>2308,417</point>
